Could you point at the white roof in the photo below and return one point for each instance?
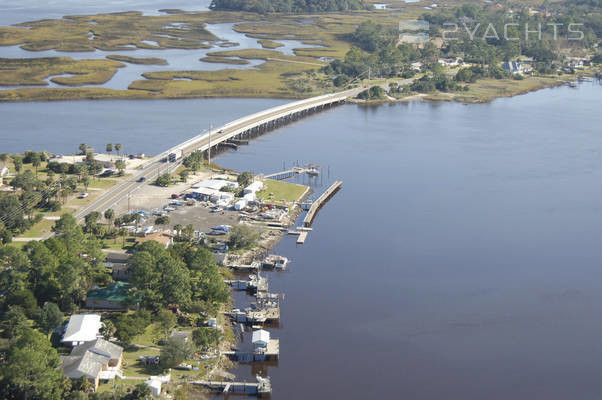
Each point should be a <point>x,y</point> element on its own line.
<point>82,328</point>
<point>205,191</point>
<point>155,385</point>
<point>254,187</point>
<point>261,337</point>
<point>215,184</point>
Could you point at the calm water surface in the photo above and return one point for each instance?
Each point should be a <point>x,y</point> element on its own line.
<point>16,11</point>
<point>149,127</point>
<point>461,259</point>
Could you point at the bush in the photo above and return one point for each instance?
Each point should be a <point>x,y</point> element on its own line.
<point>54,205</point>
<point>175,350</point>
<point>245,178</point>
<point>242,236</point>
<point>205,337</point>
<point>163,180</point>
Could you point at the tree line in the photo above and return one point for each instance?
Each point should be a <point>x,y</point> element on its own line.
<point>288,6</point>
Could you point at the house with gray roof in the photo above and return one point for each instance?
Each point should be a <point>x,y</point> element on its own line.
<point>96,360</point>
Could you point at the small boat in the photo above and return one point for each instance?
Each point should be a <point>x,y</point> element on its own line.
<point>185,367</point>
<point>223,228</point>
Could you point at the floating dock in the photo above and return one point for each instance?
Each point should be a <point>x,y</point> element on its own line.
<point>301,238</point>
<point>316,205</point>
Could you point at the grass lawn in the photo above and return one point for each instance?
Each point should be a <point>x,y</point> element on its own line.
<point>111,244</point>
<point>277,191</point>
<point>40,229</point>
<point>103,183</point>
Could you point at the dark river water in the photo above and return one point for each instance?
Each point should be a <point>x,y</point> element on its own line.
<point>460,260</point>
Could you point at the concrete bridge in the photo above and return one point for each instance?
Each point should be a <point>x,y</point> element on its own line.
<point>240,129</point>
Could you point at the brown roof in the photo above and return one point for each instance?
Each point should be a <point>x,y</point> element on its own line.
<point>162,237</point>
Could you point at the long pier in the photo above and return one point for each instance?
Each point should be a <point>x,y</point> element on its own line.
<point>289,173</point>
<point>316,205</point>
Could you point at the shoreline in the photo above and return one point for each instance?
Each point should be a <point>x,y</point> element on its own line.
<point>30,95</point>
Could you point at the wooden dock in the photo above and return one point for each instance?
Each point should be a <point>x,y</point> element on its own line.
<point>289,173</point>
<point>262,388</point>
<point>316,205</point>
<point>301,238</point>
<point>254,266</point>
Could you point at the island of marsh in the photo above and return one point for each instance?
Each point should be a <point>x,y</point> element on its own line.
<point>349,44</point>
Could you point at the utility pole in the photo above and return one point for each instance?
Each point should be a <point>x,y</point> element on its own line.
<point>129,193</point>
<point>369,73</point>
<point>209,149</point>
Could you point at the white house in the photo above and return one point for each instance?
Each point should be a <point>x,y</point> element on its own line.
<point>240,204</point>
<point>450,62</point>
<point>261,338</point>
<point>513,66</point>
<point>3,172</point>
<point>82,328</point>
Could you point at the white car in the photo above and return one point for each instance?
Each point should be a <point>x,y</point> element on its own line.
<point>83,195</point>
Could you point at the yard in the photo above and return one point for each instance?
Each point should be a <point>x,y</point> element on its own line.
<point>279,192</point>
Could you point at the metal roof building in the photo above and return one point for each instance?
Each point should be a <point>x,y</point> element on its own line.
<point>82,328</point>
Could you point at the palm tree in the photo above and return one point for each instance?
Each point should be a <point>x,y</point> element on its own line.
<point>18,161</point>
<point>86,181</point>
<point>137,218</point>
<point>109,148</point>
<point>120,165</point>
<point>83,148</point>
<point>36,162</point>
<point>110,215</point>
<point>178,229</point>
<point>118,147</point>
<point>123,233</point>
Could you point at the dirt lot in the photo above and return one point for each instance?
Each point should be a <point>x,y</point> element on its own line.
<point>150,197</point>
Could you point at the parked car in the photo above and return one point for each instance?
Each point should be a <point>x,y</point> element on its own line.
<point>142,179</point>
<point>83,195</point>
<point>175,196</point>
